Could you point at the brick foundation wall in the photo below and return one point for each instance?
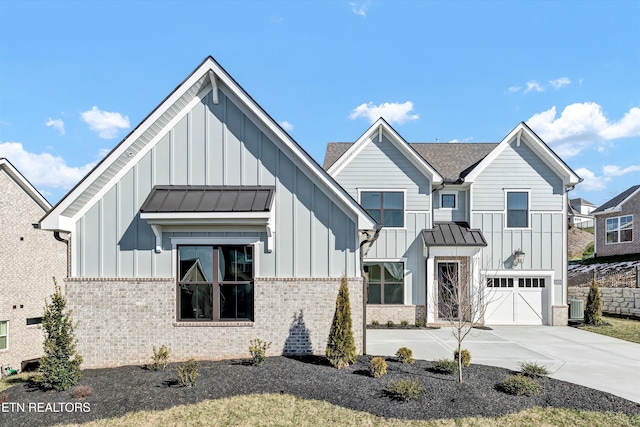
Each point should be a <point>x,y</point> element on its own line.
<point>382,313</point>
<point>614,300</point>
<point>119,321</point>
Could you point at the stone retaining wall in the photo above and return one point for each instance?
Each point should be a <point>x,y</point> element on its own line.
<point>119,321</point>
<point>614,300</point>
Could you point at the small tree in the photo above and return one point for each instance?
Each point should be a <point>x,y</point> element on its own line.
<point>60,365</point>
<point>462,303</point>
<point>593,310</point>
<point>341,347</point>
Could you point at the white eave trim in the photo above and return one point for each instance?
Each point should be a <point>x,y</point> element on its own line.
<point>375,132</point>
<point>519,134</point>
<point>161,221</point>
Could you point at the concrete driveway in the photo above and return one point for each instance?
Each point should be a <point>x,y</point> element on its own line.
<point>570,354</point>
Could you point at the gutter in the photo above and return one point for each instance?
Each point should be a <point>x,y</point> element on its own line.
<point>59,238</point>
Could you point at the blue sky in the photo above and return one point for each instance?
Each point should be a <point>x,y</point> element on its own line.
<point>76,77</point>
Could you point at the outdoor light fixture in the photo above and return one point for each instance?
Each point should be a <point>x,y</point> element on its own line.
<point>518,257</point>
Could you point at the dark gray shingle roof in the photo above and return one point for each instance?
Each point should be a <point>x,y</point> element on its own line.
<point>451,160</point>
<point>453,234</point>
<point>616,200</point>
<point>581,201</point>
<point>208,198</point>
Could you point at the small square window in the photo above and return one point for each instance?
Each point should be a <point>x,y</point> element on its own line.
<point>386,207</point>
<point>448,201</point>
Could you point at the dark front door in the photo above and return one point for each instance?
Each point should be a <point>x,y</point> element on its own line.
<point>448,286</point>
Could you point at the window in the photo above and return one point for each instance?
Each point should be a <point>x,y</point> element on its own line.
<point>34,321</point>
<point>215,283</point>
<point>523,282</point>
<point>386,282</point>
<point>4,335</point>
<point>531,282</point>
<point>517,209</point>
<point>620,229</point>
<point>503,282</point>
<point>386,207</point>
<point>448,200</point>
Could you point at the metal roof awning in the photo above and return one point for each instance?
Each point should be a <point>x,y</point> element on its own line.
<point>453,234</point>
<point>171,206</point>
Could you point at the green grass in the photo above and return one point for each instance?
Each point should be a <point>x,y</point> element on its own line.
<point>287,410</point>
<point>22,377</point>
<point>624,329</point>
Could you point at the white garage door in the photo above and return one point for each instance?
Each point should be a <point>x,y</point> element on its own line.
<point>515,301</point>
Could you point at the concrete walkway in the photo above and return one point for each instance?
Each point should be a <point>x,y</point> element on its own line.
<point>570,354</point>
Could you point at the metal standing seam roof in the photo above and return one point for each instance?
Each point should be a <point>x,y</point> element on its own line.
<point>208,198</point>
<point>453,234</point>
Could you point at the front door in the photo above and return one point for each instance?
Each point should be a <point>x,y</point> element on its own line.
<point>448,290</point>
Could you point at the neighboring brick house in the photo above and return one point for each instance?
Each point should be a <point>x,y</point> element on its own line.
<point>29,259</point>
<point>616,224</point>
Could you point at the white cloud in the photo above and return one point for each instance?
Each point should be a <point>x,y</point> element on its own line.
<point>514,89</point>
<point>612,170</point>
<point>105,123</point>
<point>393,112</point>
<point>57,124</point>
<point>43,169</point>
<point>533,85</point>
<point>360,9</point>
<point>560,83</point>
<point>581,125</point>
<point>286,125</point>
<point>591,181</point>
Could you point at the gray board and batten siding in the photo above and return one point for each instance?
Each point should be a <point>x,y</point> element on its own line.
<point>518,167</point>
<point>381,166</point>
<point>216,144</point>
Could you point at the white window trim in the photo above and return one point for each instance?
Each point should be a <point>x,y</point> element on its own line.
<point>406,282</point>
<point>618,229</point>
<point>506,210</point>
<point>389,190</point>
<point>456,197</point>
<point>7,335</point>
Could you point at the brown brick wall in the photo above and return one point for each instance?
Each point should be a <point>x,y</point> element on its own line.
<point>632,207</point>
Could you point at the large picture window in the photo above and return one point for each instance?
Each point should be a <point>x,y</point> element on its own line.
<point>386,282</point>
<point>386,207</point>
<point>620,229</point>
<point>4,332</point>
<point>517,209</point>
<point>215,283</point>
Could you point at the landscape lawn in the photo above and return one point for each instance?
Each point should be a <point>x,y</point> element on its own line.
<point>617,327</point>
<point>307,391</point>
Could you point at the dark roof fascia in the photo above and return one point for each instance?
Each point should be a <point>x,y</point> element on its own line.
<point>617,200</point>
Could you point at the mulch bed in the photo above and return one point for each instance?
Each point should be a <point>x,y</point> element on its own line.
<point>126,389</point>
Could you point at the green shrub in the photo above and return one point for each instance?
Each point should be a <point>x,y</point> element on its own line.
<point>593,309</point>
<point>466,357</point>
<point>341,347</point>
<point>375,323</point>
<point>405,355</point>
<point>519,385</point>
<point>405,390</point>
<point>258,350</point>
<point>588,250</point>
<point>160,358</point>
<point>60,366</point>
<point>188,373</point>
<point>532,369</point>
<point>390,324</point>
<point>404,323</point>
<point>377,367</point>
<point>420,324</point>
<point>445,366</point>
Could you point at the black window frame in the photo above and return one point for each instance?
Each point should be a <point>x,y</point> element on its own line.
<point>382,282</point>
<point>380,218</point>
<point>455,202</point>
<point>216,283</point>
<point>510,210</point>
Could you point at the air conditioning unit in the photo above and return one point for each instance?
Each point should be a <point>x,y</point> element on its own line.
<point>576,309</point>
